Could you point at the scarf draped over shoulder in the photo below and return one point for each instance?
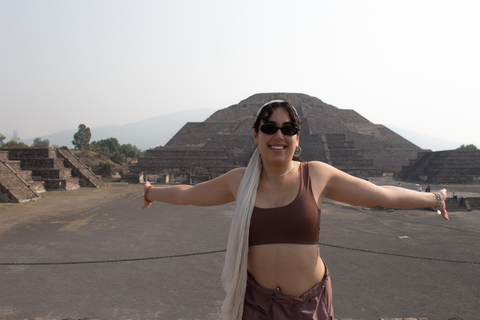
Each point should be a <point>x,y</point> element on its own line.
<point>234,277</point>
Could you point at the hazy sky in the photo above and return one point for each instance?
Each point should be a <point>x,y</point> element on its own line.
<point>413,64</point>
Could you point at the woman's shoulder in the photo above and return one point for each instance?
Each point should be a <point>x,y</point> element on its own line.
<point>317,164</point>
<point>319,168</point>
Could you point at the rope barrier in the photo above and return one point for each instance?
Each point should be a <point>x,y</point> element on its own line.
<point>398,254</point>
<point>109,261</point>
<point>220,251</point>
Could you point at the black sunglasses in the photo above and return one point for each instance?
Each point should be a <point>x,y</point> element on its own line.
<point>288,130</point>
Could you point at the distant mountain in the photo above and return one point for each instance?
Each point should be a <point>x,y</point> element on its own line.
<point>145,134</point>
<point>157,131</point>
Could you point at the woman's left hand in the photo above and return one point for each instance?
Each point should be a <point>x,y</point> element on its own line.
<point>443,209</point>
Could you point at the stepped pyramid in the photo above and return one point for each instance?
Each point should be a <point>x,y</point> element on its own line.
<point>342,138</point>
<point>27,172</point>
<point>17,185</point>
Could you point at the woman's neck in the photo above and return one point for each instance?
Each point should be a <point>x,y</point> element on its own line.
<point>279,171</point>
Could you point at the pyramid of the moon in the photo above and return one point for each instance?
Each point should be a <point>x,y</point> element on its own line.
<point>342,138</point>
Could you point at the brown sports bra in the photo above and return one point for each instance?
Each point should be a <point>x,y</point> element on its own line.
<point>297,222</point>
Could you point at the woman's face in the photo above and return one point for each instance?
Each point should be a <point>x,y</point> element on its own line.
<point>276,147</point>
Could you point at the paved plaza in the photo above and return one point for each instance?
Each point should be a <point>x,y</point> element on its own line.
<point>93,253</point>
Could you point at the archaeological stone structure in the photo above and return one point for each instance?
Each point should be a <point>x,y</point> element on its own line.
<point>443,167</point>
<point>342,138</point>
<point>26,173</point>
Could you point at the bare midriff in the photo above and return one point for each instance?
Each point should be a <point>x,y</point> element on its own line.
<point>293,268</point>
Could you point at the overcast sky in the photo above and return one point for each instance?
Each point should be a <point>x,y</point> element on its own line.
<point>412,64</point>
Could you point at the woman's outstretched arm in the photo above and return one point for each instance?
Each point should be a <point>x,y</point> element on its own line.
<point>343,187</point>
<point>217,191</point>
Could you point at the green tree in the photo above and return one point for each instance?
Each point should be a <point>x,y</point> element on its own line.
<point>39,143</point>
<point>2,138</point>
<point>130,151</point>
<point>81,139</point>
<point>110,147</point>
<point>13,143</point>
<point>467,147</point>
<point>114,151</point>
<point>56,146</point>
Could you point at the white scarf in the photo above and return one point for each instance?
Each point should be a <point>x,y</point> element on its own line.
<point>234,277</point>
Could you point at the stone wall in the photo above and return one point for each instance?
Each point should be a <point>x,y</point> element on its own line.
<point>461,203</point>
<point>182,165</point>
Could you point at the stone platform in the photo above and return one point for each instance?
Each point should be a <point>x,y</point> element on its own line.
<point>25,173</point>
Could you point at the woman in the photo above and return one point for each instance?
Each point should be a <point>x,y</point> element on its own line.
<point>273,268</point>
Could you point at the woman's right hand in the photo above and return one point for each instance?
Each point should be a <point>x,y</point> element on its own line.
<point>146,203</point>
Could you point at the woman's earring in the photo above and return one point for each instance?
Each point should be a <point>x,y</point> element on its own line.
<point>299,150</point>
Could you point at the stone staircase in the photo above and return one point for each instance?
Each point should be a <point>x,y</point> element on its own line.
<point>17,185</point>
<point>27,172</point>
<point>343,155</point>
<point>80,169</point>
<point>416,167</point>
<point>46,167</point>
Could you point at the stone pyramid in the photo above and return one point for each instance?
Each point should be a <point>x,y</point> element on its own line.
<point>340,137</point>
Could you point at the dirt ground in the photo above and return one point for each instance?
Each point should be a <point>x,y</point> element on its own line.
<point>150,264</point>
<point>57,203</point>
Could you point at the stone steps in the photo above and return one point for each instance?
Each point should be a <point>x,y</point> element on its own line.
<point>44,167</point>
<point>45,163</point>
<point>27,172</point>
<point>14,188</point>
<point>78,168</point>
<point>344,156</point>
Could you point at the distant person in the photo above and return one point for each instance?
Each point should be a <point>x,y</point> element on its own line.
<point>419,188</point>
<point>454,195</point>
<point>427,189</point>
<point>273,256</point>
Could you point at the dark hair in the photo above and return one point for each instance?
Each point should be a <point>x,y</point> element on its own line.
<point>266,112</point>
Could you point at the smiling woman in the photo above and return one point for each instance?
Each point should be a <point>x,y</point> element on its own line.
<point>273,268</point>
<point>276,147</point>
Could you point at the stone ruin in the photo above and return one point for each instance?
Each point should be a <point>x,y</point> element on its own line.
<point>443,167</point>
<point>26,173</point>
<point>342,138</point>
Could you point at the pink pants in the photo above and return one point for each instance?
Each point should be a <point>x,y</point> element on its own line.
<point>263,304</point>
